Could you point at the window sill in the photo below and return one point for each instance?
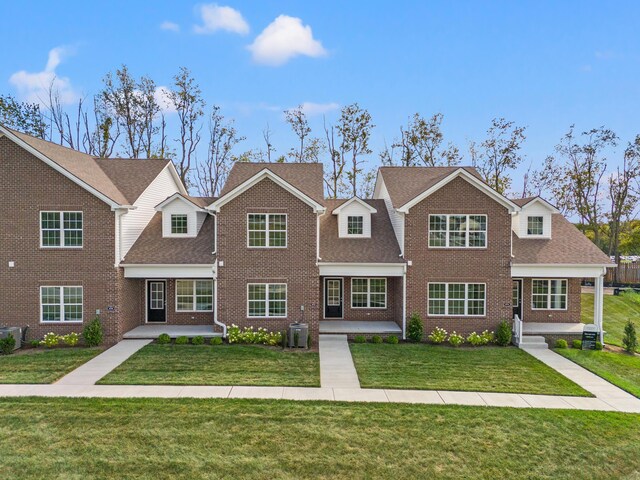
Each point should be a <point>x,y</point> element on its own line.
<point>61,322</point>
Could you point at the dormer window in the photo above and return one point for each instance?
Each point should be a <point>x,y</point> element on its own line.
<point>535,225</point>
<point>355,225</point>
<point>179,224</point>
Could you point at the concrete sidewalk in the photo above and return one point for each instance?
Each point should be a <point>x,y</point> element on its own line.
<point>99,366</point>
<point>336,364</point>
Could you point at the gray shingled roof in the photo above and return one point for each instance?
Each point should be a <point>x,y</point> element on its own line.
<point>406,183</point>
<point>152,248</point>
<point>306,177</point>
<point>567,245</point>
<point>131,177</point>
<point>382,247</point>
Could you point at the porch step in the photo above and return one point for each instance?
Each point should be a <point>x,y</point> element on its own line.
<point>533,341</point>
<point>361,327</point>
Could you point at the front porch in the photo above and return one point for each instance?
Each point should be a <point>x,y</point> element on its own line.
<point>174,331</point>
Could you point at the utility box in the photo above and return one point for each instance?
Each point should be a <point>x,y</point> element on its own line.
<point>15,332</point>
<point>298,335</point>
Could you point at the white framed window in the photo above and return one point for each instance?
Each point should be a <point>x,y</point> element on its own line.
<point>267,230</point>
<point>535,225</point>
<point>179,224</point>
<point>457,299</point>
<point>368,293</point>
<point>60,229</point>
<point>60,304</point>
<point>548,294</point>
<point>194,295</point>
<point>265,300</point>
<point>355,225</point>
<point>457,231</point>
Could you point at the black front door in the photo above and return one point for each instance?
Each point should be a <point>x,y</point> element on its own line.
<point>332,298</point>
<point>516,301</point>
<point>156,301</point>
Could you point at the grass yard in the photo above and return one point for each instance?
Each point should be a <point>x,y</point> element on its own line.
<point>217,365</point>
<point>43,366</point>
<point>193,439</point>
<point>620,369</point>
<point>484,369</point>
<point>617,310</point>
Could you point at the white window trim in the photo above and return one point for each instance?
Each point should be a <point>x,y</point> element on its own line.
<point>466,299</point>
<point>356,235</point>
<point>61,216</point>
<point>61,322</point>
<point>286,230</point>
<point>368,293</point>
<point>193,295</point>
<point>542,233</point>
<point>185,234</point>
<point>266,301</point>
<point>467,231</point>
<point>549,294</point>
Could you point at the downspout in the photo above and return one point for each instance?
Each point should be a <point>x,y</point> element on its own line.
<point>404,302</point>
<point>215,279</point>
<point>317,237</point>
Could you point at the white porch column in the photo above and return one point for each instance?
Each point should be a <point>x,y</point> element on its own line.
<point>598,301</point>
<point>404,303</point>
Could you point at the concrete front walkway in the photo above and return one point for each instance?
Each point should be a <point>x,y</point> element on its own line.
<point>99,366</point>
<point>336,364</point>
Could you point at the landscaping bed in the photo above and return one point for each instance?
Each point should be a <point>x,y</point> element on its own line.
<point>438,367</point>
<point>43,366</point>
<point>225,438</point>
<point>217,365</point>
<point>621,369</point>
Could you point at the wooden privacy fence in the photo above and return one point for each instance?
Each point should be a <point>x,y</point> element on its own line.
<point>626,273</point>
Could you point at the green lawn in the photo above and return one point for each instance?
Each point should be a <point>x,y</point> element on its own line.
<point>620,369</point>
<point>247,439</point>
<point>617,310</point>
<point>431,367</point>
<point>217,365</point>
<point>43,366</point>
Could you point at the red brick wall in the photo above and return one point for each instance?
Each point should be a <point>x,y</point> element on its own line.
<point>570,315</point>
<point>130,302</point>
<point>490,265</point>
<point>294,265</point>
<point>27,186</point>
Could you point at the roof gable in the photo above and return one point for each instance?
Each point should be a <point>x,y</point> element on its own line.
<point>529,201</point>
<point>338,209</point>
<point>180,197</point>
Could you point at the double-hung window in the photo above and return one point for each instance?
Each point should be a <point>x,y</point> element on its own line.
<point>267,230</point>
<point>457,299</point>
<point>61,304</point>
<point>267,300</point>
<point>194,295</point>
<point>61,229</point>
<point>179,224</point>
<point>535,225</point>
<point>355,225</point>
<point>548,294</point>
<point>368,293</point>
<point>458,231</point>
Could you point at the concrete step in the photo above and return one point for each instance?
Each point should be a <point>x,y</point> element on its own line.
<point>533,341</point>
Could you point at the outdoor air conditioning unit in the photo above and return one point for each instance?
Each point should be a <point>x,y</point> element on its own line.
<point>16,332</point>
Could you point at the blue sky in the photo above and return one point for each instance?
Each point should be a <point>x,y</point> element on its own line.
<point>543,64</point>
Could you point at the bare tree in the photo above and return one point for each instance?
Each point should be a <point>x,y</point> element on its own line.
<point>223,137</point>
<point>498,153</point>
<point>23,116</point>
<point>101,133</point>
<point>266,135</point>
<point>354,129</point>
<point>297,119</point>
<point>334,174</point>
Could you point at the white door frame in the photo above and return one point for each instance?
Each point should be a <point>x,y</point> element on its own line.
<point>324,297</point>
<point>146,299</point>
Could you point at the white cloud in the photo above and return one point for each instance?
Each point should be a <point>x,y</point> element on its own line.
<point>215,17</point>
<point>311,108</point>
<point>163,99</point>
<point>34,87</point>
<point>169,26</point>
<point>284,38</point>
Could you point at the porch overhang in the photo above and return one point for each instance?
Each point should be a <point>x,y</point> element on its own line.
<point>362,269</point>
<point>169,271</point>
<point>559,270</point>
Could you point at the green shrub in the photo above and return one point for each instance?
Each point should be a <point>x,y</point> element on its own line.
<point>182,340</point>
<point>93,333</point>
<point>71,339</point>
<point>249,335</point>
<point>50,340</point>
<point>598,346</point>
<point>630,338</point>
<point>35,343</point>
<point>216,341</point>
<point>487,337</point>
<point>309,341</point>
<point>392,339</point>
<point>503,333</point>
<point>438,335</point>
<point>7,344</point>
<point>561,343</point>
<point>197,340</point>
<point>285,339</point>
<point>475,339</point>
<point>455,339</point>
<point>376,339</point>
<point>163,339</point>
<point>577,344</point>
<point>415,329</point>
<point>359,339</point>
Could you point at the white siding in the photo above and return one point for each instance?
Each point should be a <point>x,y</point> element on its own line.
<point>397,219</point>
<point>134,221</point>
<point>354,209</point>
<point>534,209</point>
<point>179,206</point>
